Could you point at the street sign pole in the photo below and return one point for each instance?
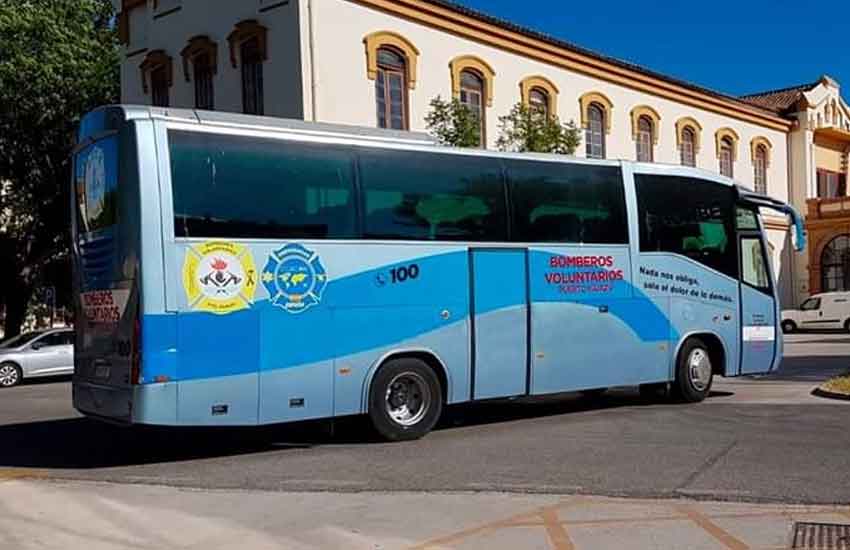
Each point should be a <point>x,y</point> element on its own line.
<point>50,298</point>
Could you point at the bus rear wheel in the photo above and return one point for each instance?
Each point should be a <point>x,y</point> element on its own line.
<point>405,400</point>
<point>694,371</point>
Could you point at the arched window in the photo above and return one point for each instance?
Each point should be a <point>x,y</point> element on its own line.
<point>540,94</point>
<point>159,87</point>
<point>835,265</point>
<point>157,77</point>
<point>203,72</point>
<point>201,54</point>
<point>249,38</point>
<point>645,139</point>
<point>252,77</point>
<point>472,95</point>
<point>538,100</point>
<point>727,157</point>
<point>687,148</point>
<point>595,132</point>
<point>760,166</point>
<point>391,89</point>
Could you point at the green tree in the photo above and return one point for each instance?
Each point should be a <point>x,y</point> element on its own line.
<point>58,60</point>
<point>453,123</point>
<point>529,130</point>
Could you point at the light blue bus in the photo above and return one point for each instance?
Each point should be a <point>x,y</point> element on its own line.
<point>239,271</point>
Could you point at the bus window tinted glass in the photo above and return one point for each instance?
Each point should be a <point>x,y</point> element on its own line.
<point>96,185</point>
<point>753,265</point>
<point>746,219</point>
<point>242,187</point>
<point>567,203</point>
<point>690,217</point>
<point>432,197</point>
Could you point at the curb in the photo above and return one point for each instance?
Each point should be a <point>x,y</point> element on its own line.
<point>820,392</point>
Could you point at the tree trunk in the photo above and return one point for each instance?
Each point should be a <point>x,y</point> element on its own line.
<point>16,309</point>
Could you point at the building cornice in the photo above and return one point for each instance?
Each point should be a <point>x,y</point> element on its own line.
<point>461,24</point>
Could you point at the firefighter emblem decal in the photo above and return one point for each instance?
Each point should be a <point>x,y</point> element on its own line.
<point>294,278</point>
<point>219,277</point>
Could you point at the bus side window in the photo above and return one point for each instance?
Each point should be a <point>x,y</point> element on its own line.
<point>240,187</point>
<point>754,265</point>
<point>690,217</point>
<point>567,203</point>
<point>433,197</point>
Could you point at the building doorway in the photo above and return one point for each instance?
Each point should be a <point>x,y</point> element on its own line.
<point>835,265</point>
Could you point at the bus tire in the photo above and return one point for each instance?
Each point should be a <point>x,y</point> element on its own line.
<point>10,375</point>
<point>405,400</point>
<point>847,325</point>
<point>789,327</point>
<point>694,371</point>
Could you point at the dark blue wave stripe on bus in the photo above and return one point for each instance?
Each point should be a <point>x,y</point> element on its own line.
<point>347,322</point>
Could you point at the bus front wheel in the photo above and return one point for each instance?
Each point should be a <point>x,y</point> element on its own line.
<point>694,371</point>
<point>405,400</point>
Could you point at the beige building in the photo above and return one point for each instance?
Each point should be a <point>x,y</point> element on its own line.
<point>381,62</point>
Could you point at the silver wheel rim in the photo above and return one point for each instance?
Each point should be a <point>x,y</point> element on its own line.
<point>699,369</point>
<point>8,376</point>
<point>408,399</point>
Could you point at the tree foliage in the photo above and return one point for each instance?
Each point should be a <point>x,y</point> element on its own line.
<point>453,123</point>
<point>58,60</point>
<point>529,130</point>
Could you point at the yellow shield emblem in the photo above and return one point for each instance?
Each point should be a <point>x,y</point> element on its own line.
<point>219,277</point>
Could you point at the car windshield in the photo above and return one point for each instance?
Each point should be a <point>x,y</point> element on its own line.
<point>19,340</point>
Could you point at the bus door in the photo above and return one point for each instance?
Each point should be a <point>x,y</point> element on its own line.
<point>499,313</point>
<point>758,297</point>
<point>758,305</point>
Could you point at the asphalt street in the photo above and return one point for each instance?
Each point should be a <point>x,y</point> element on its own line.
<point>762,440</point>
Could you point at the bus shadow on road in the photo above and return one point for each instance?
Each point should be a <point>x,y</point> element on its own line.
<point>79,443</point>
<point>809,368</point>
<point>83,444</point>
<point>504,411</point>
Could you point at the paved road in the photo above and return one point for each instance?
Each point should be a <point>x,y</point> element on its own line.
<point>754,440</point>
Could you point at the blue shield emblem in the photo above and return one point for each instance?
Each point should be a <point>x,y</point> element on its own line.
<point>294,278</point>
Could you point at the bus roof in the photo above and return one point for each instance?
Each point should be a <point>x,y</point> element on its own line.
<point>109,118</point>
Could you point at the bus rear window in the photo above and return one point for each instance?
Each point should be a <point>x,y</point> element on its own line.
<point>96,185</point>
<point>237,187</point>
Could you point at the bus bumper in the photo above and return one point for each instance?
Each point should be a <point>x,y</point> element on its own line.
<point>154,404</point>
<point>109,403</point>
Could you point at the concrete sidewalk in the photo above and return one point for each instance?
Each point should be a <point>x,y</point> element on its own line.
<point>65,516</point>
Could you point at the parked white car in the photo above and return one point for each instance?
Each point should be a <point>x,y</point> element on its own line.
<point>827,311</point>
<point>36,354</point>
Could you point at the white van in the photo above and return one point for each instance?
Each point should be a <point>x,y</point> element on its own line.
<point>830,310</point>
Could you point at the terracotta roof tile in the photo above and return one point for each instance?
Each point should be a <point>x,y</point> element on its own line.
<point>779,101</point>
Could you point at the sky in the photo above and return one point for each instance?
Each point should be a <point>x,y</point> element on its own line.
<point>735,47</point>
